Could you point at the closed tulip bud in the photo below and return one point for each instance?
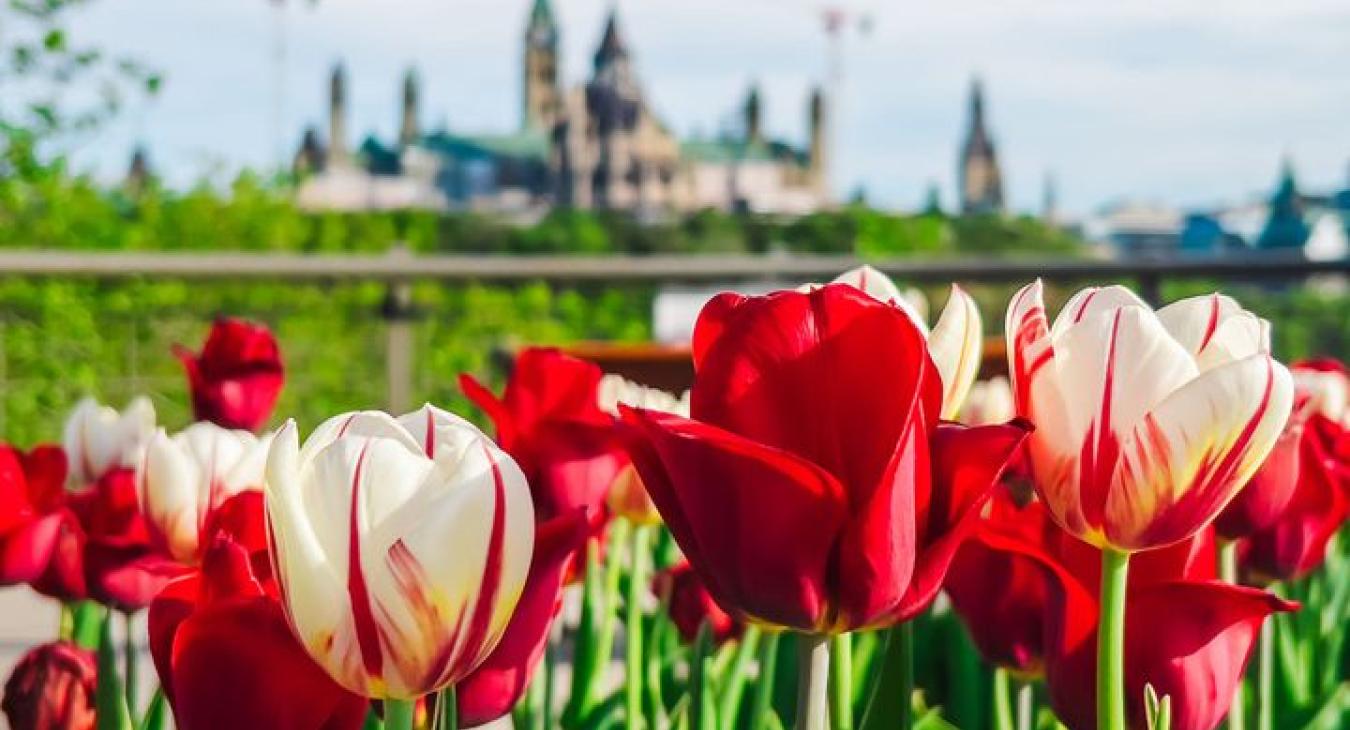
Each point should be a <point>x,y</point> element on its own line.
<point>401,546</point>
<point>186,476</point>
<point>98,439</point>
<point>1147,424</point>
<point>236,378</point>
<point>691,606</point>
<point>52,688</point>
<point>955,342</point>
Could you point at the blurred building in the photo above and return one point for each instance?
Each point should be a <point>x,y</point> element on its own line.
<point>598,144</point>
<point>980,178</point>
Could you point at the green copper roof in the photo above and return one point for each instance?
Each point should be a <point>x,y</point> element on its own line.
<point>725,150</point>
<point>541,14</point>
<point>529,144</point>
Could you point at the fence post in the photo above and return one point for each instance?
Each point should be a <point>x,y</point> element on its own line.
<point>398,314</point>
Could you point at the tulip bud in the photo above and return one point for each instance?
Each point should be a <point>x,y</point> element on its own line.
<point>1147,423</point>
<point>691,606</point>
<point>186,476</point>
<point>98,438</point>
<point>237,377</point>
<point>401,546</point>
<point>52,688</point>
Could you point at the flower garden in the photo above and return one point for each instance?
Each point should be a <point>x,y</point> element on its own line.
<point>839,525</point>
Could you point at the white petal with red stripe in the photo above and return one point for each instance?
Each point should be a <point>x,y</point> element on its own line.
<point>956,345</point>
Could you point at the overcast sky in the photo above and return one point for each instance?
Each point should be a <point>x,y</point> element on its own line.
<point>1182,102</point>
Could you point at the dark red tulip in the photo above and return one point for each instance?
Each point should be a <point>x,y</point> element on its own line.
<point>1000,594</point>
<point>495,687</point>
<point>226,656</point>
<point>1270,490</point>
<point>122,567</point>
<point>40,537</point>
<point>236,378</point>
<point>550,421</point>
<point>814,488</point>
<point>52,688</point>
<point>691,606</point>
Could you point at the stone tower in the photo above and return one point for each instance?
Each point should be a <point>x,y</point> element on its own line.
<point>981,181</point>
<point>408,129</point>
<point>542,98</point>
<point>754,131</point>
<point>338,154</point>
<point>819,158</point>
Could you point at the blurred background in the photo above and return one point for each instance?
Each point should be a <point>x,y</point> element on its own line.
<point>166,162</point>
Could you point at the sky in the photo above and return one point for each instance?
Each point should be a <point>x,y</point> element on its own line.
<point>1187,103</point>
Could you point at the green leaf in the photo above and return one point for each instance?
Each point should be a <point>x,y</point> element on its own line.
<point>157,714</point>
<point>110,701</point>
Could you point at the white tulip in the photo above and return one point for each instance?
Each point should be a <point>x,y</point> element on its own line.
<point>97,438</point>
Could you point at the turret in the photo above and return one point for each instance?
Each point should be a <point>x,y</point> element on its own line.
<point>753,116</point>
<point>816,121</point>
<point>338,154</point>
<point>408,129</point>
<point>541,98</point>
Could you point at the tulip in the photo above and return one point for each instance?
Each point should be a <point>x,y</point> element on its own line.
<point>400,545</point>
<point>52,688</point>
<point>40,537</point>
<point>226,657</point>
<point>491,690</point>
<point>628,497</point>
<point>989,401</point>
<point>691,606</point>
<point>1147,423</point>
<point>955,342</point>
<point>186,476</point>
<point>550,421</point>
<point>99,439</point>
<point>815,430</point>
<point>236,378</point>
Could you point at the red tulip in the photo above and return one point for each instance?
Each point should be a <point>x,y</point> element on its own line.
<point>52,688</point>
<point>227,659</point>
<point>1270,490</point>
<point>40,538</point>
<point>691,606</point>
<point>236,378</point>
<point>814,488</point>
<point>550,421</point>
<point>491,690</point>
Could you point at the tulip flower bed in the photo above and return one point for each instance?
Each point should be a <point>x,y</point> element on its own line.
<point>1143,526</point>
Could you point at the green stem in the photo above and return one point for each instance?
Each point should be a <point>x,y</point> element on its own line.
<point>65,630</point>
<point>1265,691</point>
<point>398,714</point>
<point>768,664</point>
<point>890,704</point>
<point>1003,712</point>
<point>637,587</point>
<point>1026,705</point>
<point>733,680</point>
<point>550,681</point>
<point>130,656</point>
<point>447,710</point>
<point>813,678</point>
<point>698,679</point>
<point>841,682</point>
<point>1111,641</point>
<point>1228,572</point>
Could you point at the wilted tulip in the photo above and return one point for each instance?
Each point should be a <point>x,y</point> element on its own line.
<point>186,476</point>
<point>227,659</point>
<point>955,342</point>
<point>1147,424</point>
<point>491,690</point>
<point>52,688</point>
<point>550,421</point>
<point>691,606</point>
<point>99,439</point>
<point>236,378</point>
<point>40,537</point>
<point>815,430</point>
<point>401,546</point>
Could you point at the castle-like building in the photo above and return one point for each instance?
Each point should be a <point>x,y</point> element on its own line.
<point>981,182</point>
<point>595,145</point>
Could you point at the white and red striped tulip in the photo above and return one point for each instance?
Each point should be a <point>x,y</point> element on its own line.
<point>187,475</point>
<point>955,342</point>
<point>401,546</point>
<point>1147,423</point>
<point>98,438</point>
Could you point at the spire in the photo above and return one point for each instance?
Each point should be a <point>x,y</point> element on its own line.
<point>753,116</point>
<point>1050,200</point>
<point>138,172</point>
<point>1286,227</point>
<point>541,32</point>
<point>337,115</point>
<point>408,129</point>
<point>612,46</point>
<point>981,179</point>
<point>977,103</point>
<point>815,122</point>
<point>541,15</point>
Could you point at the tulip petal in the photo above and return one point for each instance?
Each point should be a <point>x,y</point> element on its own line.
<point>1184,461</point>
<point>1215,329</point>
<point>956,345</point>
<point>499,682</point>
<point>1295,544</point>
<point>832,376</point>
<point>1093,301</point>
<point>758,524</point>
<point>877,285</point>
